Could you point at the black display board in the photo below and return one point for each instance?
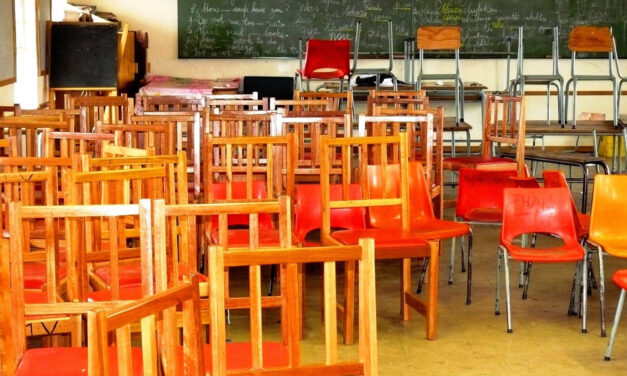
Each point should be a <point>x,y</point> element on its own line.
<point>83,55</point>
<point>265,28</point>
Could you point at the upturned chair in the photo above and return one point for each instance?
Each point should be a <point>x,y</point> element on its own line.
<point>391,242</point>
<point>531,210</point>
<point>325,60</point>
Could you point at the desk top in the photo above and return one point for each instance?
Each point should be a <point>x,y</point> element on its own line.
<point>448,85</point>
<point>584,127</point>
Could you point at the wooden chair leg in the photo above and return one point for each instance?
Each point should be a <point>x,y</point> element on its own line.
<point>405,288</point>
<point>432,307</point>
<point>349,302</point>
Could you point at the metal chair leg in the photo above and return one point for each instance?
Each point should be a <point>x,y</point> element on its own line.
<point>508,300</point>
<point>451,267</point>
<point>619,310</point>
<point>497,300</point>
<point>469,273</point>
<point>602,291</point>
<point>584,293</point>
<point>421,282</point>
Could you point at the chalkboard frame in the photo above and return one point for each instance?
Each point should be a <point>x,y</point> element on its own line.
<point>42,34</point>
<point>8,54</point>
<point>112,85</point>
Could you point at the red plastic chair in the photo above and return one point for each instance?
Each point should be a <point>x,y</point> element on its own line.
<point>556,179</point>
<point>308,211</point>
<point>529,210</point>
<point>325,60</point>
<point>423,221</point>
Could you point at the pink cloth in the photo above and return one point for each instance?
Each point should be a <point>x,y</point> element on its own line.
<point>166,85</point>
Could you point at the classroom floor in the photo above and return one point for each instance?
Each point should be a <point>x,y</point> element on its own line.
<point>471,339</point>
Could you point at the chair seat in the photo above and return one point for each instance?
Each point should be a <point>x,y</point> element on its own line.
<point>615,247</point>
<point>68,361</point>
<point>133,292</point>
<point>473,161</point>
<point>553,254</point>
<point>620,278</point>
<point>486,215</point>
<point>131,273</point>
<point>324,74</point>
<point>439,229</point>
<point>386,239</point>
<point>241,238</point>
<point>239,355</point>
<point>35,275</point>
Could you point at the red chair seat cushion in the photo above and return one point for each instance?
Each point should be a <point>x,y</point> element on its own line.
<point>554,254</point>
<point>133,292</point>
<point>131,273</point>
<point>35,275</point>
<point>620,278</point>
<point>241,238</point>
<point>439,229</point>
<point>487,215</point>
<point>238,355</point>
<point>68,361</point>
<point>323,74</point>
<point>385,239</point>
<point>472,161</point>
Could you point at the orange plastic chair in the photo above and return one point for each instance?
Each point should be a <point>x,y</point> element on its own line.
<point>423,221</point>
<point>620,279</point>
<point>325,60</point>
<point>530,210</point>
<point>607,224</point>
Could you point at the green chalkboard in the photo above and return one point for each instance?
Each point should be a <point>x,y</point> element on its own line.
<point>272,28</point>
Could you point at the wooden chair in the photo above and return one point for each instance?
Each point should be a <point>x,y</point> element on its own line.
<point>504,124</point>
<point>75,115</point>
<point>97,357</point>
<point>160,138</point>
<point>240,123</point>
<point>391,243</point>
<point>106,109</point>
<point>25,131</point>
<point>590,39</point>
<point>305,156</point>
<point>338,101</point>
<point>259,354</point>
<point>189,138</point>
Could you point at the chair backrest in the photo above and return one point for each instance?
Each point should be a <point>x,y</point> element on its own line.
<point>590,39</point>
<point>365,147</point>
<point>239,123</point>
<point>230,159</point>
<point>505,124</point>
<point>411,99</point>
<point>421,209</point>
<point>188,130</point>
<point>74,115</point>
<point>439,38</point>
<point>106,109</point>
<point>25,130</point>
<point>420,133</point>
<point>160,336</point>
<point>67,144</point>
<point>308,210</point>
<point>169,103</point>
<point>554,51</point>
<point>305,156</point>
<point>482,189</point>
<point>292,303</point>
<point>220,106</point>
<point>329,58</point>
<point>290,106</point>
<point>556,179</point>
<point>338,101</point>
<point>609,210</point>
<point>544,211</point>
<point>160,137</point>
